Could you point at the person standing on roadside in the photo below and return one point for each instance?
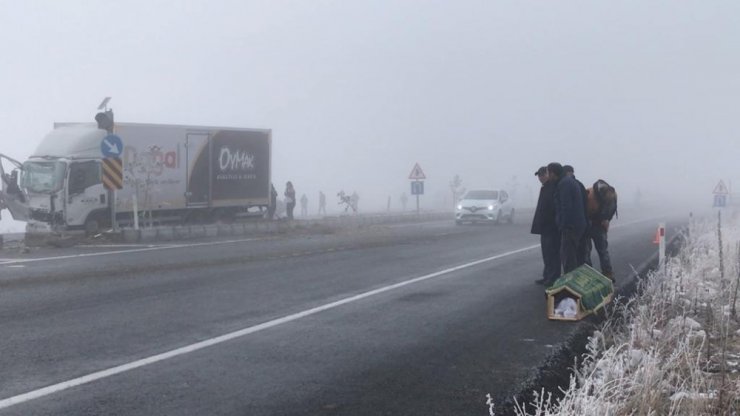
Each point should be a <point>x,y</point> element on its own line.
<point>569,214</point>
<point>322,203</point>
<point>602,206</point>
<point>582,255</point>
<point>304,205</point>
<point>273,202</point>
<point>544,224</point>
<point>289,199</point>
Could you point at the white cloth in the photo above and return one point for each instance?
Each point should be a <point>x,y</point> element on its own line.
<point>567,308</point>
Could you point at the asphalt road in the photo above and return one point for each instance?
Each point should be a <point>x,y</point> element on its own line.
<point>410,319</point>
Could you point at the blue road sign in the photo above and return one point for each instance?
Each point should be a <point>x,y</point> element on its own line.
<point>720,201</point>
<point>417,188</point>
<point>111,146</point>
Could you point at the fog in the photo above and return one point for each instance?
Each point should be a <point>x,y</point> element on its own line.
<point>642,94</point>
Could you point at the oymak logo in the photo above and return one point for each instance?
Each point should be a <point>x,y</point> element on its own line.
<point>238,160</point>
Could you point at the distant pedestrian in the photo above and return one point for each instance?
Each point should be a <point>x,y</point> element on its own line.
<point>582,257</point>
<point>569,214</point>
<point>304,205</point>
<point>346,200</point>
<point>545,225</point>
<point>273,202</point>
<point>322,203</point>
<point>404,201</point>
<point>289,199</point>
<point>355,199</point>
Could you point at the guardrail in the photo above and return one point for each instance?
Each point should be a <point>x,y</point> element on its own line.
<point>184,232</point>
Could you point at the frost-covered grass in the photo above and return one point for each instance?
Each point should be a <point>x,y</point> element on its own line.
<point>672,350</point>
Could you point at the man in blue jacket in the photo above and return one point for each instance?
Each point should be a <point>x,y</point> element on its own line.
<point>570,215</point>
<point>583,249</point>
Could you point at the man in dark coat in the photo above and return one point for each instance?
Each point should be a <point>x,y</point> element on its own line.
<point>273,202</point>
<point>544,224</point>
<point>583,255</point>
<point>570,216</point>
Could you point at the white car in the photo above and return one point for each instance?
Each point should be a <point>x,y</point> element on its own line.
<point>485,205</point>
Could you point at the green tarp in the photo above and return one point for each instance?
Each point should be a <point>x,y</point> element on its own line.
<point>592,286</point>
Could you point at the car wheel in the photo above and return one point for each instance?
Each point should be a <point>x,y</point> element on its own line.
<point>498,217</point>
<point>510,220</point>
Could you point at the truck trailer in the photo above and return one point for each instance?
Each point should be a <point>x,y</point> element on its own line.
<point>170,173</point>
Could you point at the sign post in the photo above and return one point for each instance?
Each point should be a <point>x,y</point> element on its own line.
<point>112,147</point>
<point>720,195</point>
<point>661,244</point>
<point>136,210</point>
<point>660,241</point>
<point>417,186</point>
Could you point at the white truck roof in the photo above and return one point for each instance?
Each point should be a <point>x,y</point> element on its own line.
<point>71,141</point>
<point>82,140</point>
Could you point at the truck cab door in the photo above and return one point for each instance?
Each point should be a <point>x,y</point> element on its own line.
<point>85,192</point>
<point>11,194</point>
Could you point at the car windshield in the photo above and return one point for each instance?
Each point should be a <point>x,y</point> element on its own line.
<point>43,177</point>
<point>482,195</point>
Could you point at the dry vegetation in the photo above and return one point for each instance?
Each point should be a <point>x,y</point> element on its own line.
<point>672,350</point>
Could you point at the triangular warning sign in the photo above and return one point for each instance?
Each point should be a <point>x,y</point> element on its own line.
<point>417,173</point>
<point>721,189</point>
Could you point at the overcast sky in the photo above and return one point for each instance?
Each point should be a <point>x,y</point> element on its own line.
<point>641,93</point>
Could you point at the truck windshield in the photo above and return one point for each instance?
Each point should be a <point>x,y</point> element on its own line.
<point>487,195</point>
<point>43,177</point>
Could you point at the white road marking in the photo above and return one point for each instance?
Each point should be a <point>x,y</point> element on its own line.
<point>116,245</point>
<point>136,250</point>
<point>98,375</point>
<point>17,266</point>
<point>45,391</point>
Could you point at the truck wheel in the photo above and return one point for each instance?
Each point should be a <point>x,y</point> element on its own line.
<point>225,216</point>
<point>91,226</point>
<point>194,217</point>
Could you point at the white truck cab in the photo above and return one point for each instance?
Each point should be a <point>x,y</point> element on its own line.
<point>62,180</point>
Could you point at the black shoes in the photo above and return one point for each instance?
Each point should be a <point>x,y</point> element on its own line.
<point>544,282</point>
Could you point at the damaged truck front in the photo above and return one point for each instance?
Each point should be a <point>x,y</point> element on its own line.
<point>12,196</point>
<point>44,191</point>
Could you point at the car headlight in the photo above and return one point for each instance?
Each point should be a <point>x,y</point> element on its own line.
<point>459,207</point>
<point>490,207</point>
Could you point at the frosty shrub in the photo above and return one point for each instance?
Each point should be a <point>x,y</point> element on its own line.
<point>671,350</point>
